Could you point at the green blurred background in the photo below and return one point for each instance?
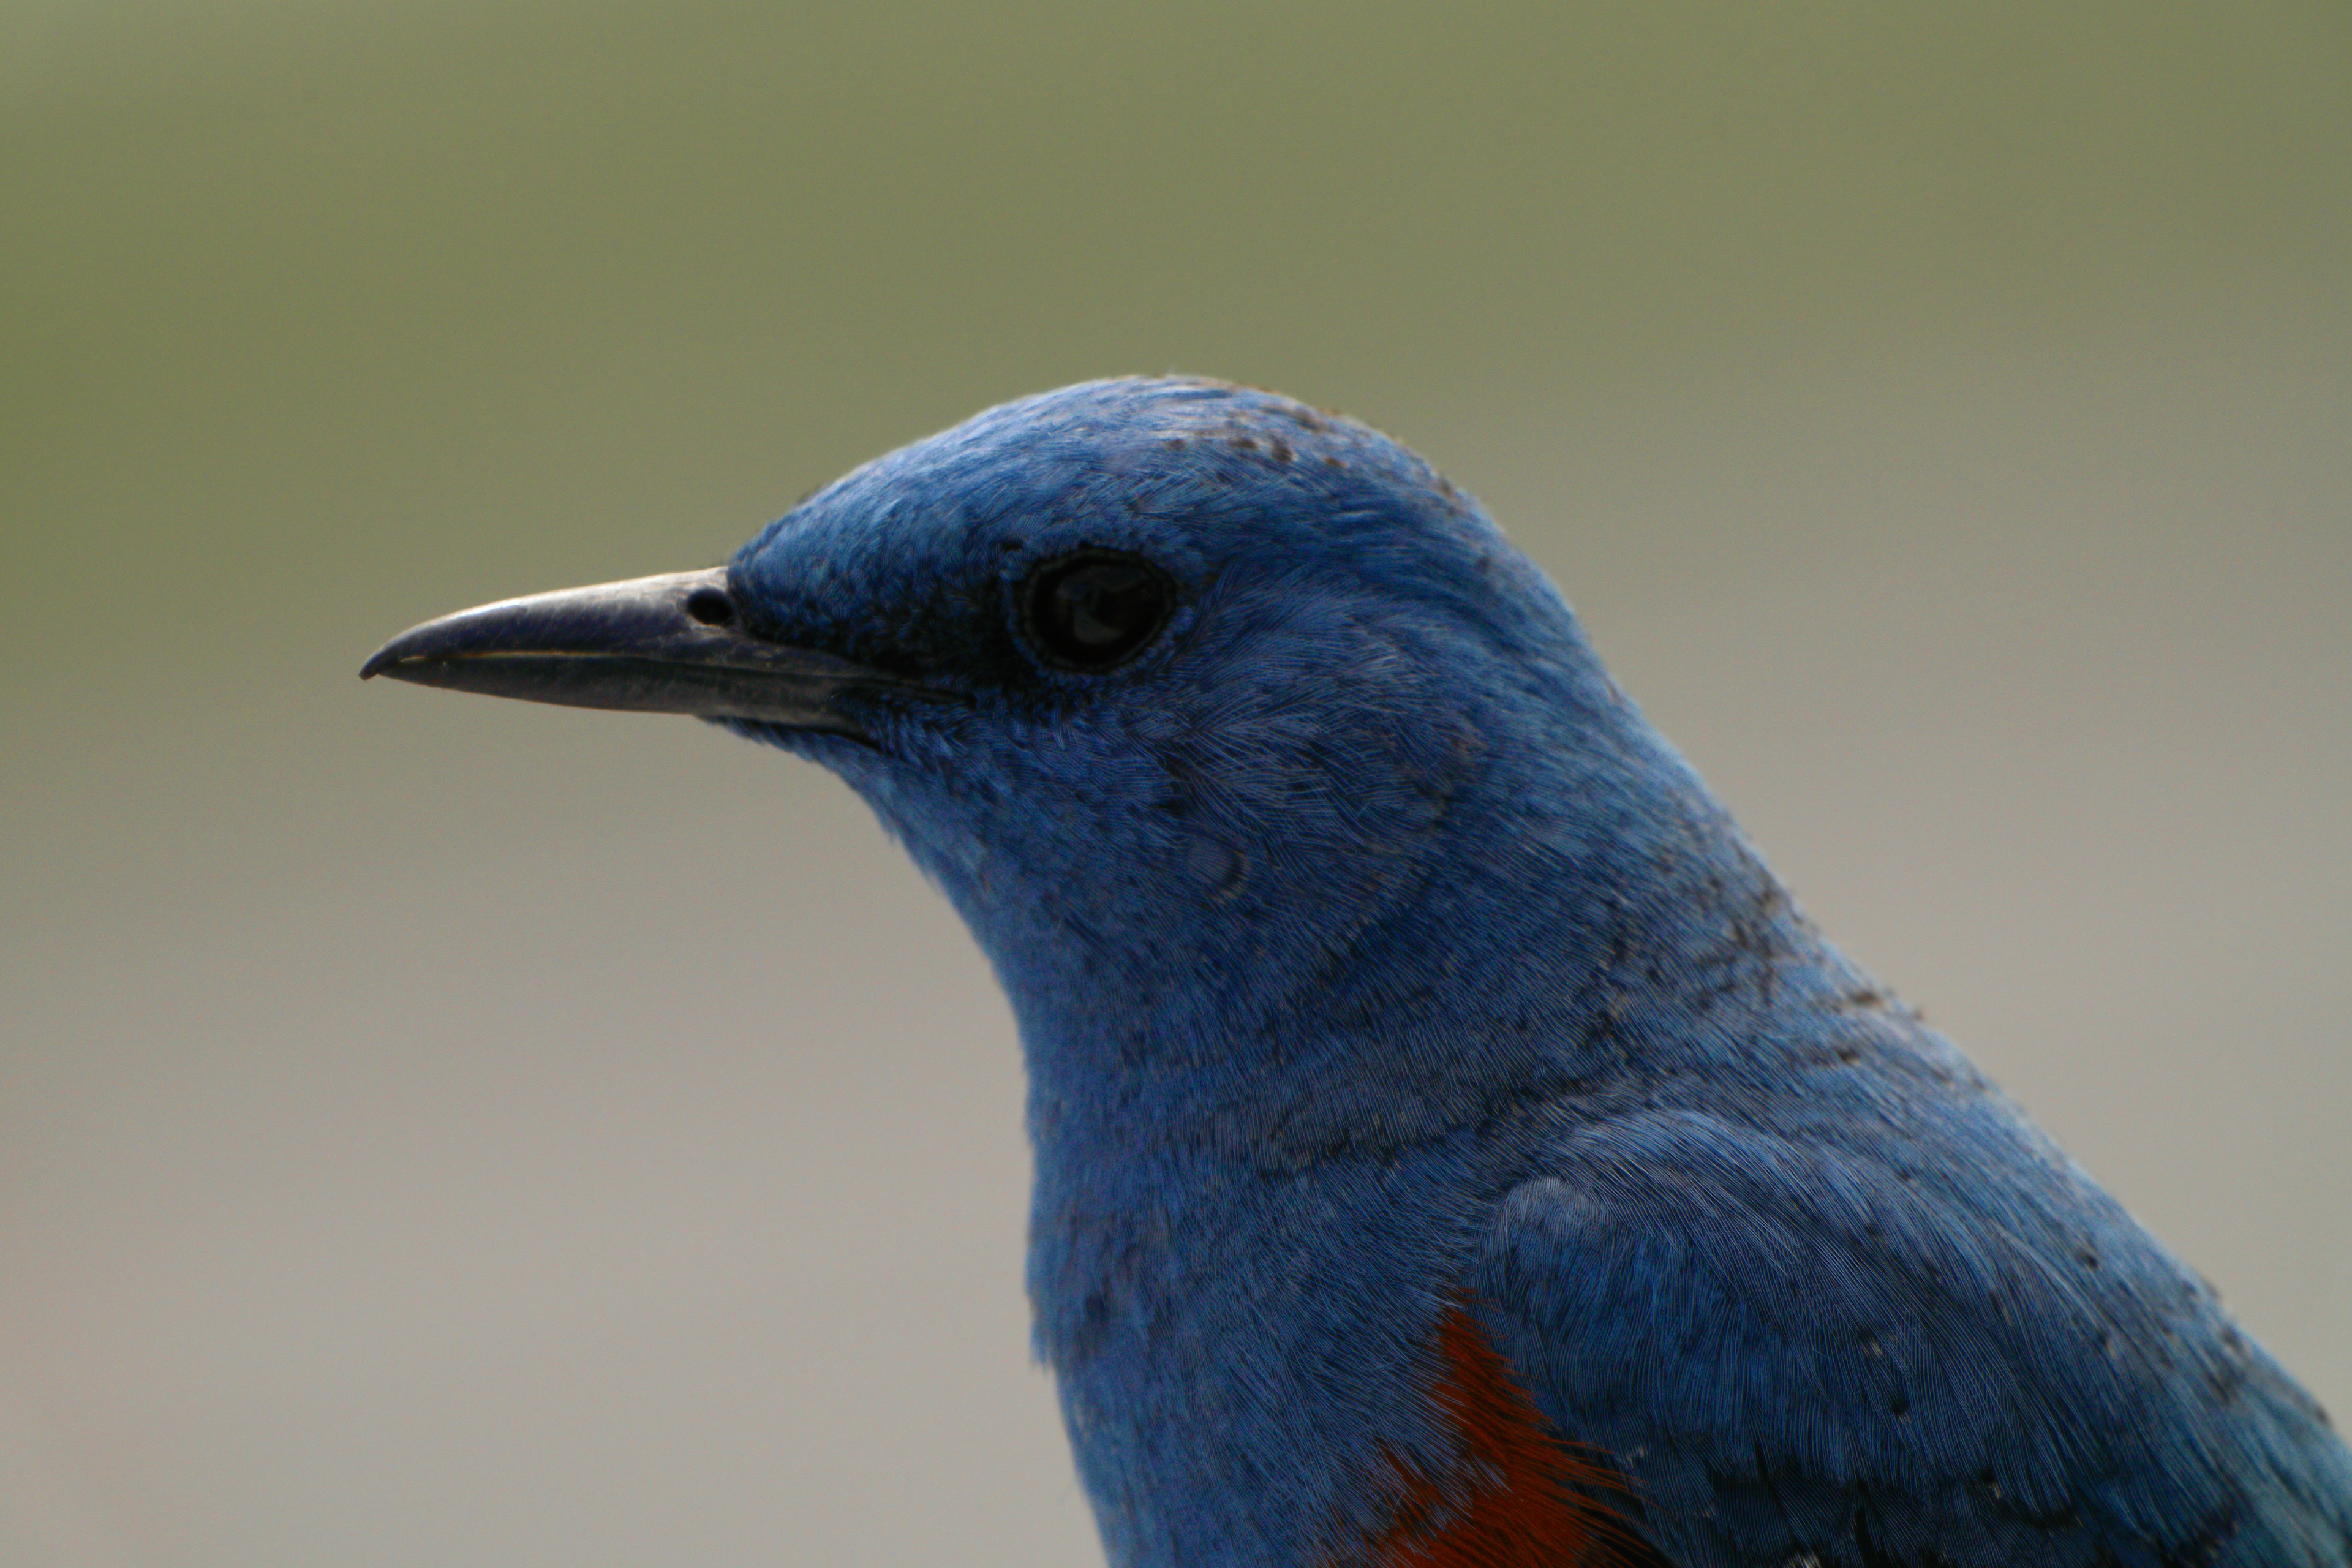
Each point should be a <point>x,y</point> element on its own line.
<point>435,1132</point>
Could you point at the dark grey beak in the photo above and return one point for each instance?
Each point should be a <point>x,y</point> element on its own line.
<point>657,644</point>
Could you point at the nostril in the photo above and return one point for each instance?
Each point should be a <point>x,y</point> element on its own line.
<point>711,607</point>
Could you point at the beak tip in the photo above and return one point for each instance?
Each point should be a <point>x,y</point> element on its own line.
<point>398,658</point>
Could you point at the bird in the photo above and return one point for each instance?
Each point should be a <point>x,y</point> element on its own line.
<point>1454,1148</point>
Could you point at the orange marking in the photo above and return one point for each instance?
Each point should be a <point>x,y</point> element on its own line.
<point>1516,1496</point>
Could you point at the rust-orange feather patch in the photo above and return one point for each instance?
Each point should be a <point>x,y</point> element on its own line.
<point>1516,1496</point>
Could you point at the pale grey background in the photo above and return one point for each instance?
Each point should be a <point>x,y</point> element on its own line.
<point>434,1132</point>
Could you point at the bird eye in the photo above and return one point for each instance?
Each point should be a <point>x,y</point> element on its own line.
<point>1095,609</point>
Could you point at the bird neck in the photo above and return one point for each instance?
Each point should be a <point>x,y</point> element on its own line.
<point>1240,1185</point>
<point>1585,920</point>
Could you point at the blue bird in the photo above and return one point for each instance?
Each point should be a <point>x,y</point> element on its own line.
<point>1452,1146</point>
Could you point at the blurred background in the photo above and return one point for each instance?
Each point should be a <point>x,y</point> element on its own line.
<point>439,1132</point>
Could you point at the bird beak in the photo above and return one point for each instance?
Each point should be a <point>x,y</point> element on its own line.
<point>674,644</point>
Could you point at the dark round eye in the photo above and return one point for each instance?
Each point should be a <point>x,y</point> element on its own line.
<point>1091,610</point>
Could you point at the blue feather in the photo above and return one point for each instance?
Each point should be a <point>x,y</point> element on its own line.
<point>1372,954</point>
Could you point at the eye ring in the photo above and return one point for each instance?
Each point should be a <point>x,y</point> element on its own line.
<point>1092,610</point>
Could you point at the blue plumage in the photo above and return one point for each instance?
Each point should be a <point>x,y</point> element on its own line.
<point>1379,968</point>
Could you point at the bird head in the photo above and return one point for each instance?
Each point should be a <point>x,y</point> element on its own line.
<point>1182,691</point>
